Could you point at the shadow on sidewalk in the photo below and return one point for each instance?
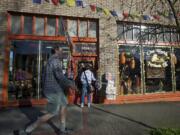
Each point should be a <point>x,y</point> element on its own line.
<point>124,117</point>
<point>32,113</point>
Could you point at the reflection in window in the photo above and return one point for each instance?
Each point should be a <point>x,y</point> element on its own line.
<point>144,33</point>
<point>61,28</point>
<point>16,24</point>
<point>39,26</point>
<point>174,35</point>
<point>152,33</point>
<point>51,26</point>
<point>136,32</point>
<point>160,34</point>
<point>129,32</point>
<point>157,69</point>
<point>83,29</point>
<point>72,28</point>
<point>129,69</point>
<point>120,31</point>
<point>167,34</point>
<point>92,29</point>
<point>28,23</point>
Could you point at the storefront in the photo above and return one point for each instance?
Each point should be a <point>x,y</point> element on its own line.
<point>149,61</point>
<point>31,39</point>
<point>133,47</point>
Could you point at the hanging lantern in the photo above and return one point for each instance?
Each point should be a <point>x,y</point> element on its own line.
<point>122,58</point>
<point>132,63</point>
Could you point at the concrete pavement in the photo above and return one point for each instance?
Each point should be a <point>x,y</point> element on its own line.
<point>126,119</point>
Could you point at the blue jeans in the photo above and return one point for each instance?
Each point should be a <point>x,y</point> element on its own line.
<point>84,93</point>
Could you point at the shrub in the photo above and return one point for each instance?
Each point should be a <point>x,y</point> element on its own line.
<point>165,131</point>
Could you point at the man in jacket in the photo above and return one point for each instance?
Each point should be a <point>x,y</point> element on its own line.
<point>55,85</point>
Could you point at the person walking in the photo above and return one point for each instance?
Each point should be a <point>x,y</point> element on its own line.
<point>55,85</point>
<point>87,77</point>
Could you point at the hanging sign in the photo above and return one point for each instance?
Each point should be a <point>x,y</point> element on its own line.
<point>85,48</point>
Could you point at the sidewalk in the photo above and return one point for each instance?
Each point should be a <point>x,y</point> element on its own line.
<point>126,119</point>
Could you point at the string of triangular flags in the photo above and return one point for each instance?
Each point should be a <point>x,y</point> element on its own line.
<point>107,12</point>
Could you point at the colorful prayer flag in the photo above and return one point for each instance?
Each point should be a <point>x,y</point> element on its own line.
<point>79,3</point>
<point>61,1</point>
<point>37,1</point>
<point>146,17</point>
<point>106,11</point>
<point>93,8</point>
<point>84,4</point>
<point>125,14</point>
<point>71,3</point>
<point>99,9</point>
<point>113,13</point>
<point>55,2</point>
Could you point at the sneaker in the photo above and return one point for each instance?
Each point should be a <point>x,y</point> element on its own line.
<point>28,130</point>
<point>64,132</point>
<point>89,105</point>
<point>82,105</point>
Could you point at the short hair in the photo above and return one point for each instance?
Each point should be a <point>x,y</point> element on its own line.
<point>55,47</point>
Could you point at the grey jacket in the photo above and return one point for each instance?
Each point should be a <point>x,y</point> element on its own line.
<point>54,80</point>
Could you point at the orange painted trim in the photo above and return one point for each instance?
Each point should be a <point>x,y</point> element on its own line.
<point>143,98</point>
<point>5,77</point>
<point>55,38</point>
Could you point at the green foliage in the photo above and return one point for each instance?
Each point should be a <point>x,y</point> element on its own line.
<point>165,131</point>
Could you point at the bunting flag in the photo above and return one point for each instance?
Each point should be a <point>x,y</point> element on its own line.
<point>93,8</point>
<point>99,9</point>
<point>146,17</point>
<point>71,3</point>
<point>37,1</point>
<point>113,13</point>
<point>157,17</point>
<point>106,11</point>
<point>120,15</point>
<point>84,4</point>
<point>61,1</point>
<point>55,2</point>
<point>79,3</point>
<point>125,15</point>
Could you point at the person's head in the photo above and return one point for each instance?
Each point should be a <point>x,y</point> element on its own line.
<point>57,50</point>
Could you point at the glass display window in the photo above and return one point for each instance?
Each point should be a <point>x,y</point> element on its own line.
<point>26,67</point>
<point>129,66</point>
<point>83,29</point>
<point>39,26</point>
<point>16,24</point>
<point>51,26</point>
<point>28,24</point>
<point>92,29</point>
<point>158,75</point>
<point>72,28</point>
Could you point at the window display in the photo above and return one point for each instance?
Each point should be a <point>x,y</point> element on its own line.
<point>129,69</point>
<point>157,69</point>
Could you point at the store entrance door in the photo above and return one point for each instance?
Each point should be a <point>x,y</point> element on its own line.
<point>26,65</point>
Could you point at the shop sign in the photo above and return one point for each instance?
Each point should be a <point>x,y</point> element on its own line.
<point>89,48</point>
<point>158,58</point>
